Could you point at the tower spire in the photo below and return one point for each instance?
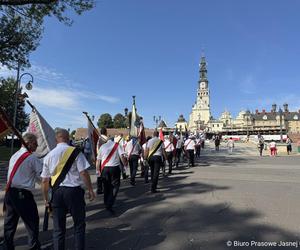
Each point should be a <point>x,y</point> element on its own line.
<point>203,69</point>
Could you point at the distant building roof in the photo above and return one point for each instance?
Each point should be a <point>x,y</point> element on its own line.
<point>181,119</point>
<point>162,124</point>
<point>273,115</point>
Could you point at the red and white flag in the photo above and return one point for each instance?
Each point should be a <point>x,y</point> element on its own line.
<point>44,133</point>
<point>142,135</point>
<point>93,136</point>
<point>4,127</point>
<point>161,135</point>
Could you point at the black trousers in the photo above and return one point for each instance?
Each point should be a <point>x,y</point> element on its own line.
<point>68,200</point>
<point>191,157</point>
<point>198,150</point>
<point>111,181</point>
<point>99,185</point>
<point>20,203</point>
<point>170,161</point>
<point>133,165</point>
<point>178,155</point>
<point>155,162</point>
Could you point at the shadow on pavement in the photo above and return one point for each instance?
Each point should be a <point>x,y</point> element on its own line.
<point>156,221</point>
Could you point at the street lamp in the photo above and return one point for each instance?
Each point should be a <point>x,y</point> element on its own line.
<point>28,86</point>
<point>280,122</point>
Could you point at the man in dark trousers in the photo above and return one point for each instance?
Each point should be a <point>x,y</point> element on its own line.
<point>24,169</point>
<point>133,150</point>
<point>155,154</point>
<point>189,147</point>
<point>69,195</point>
<point>108,164</point>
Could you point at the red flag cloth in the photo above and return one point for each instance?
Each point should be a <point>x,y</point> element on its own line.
<point>93,136</point>
<point>142,135</point>
<point>4,127</point>
<point>161,135</point>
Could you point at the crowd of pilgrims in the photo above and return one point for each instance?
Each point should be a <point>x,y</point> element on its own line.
<point>64,173</point>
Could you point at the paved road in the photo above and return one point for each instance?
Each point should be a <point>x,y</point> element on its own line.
<point>224,198</point>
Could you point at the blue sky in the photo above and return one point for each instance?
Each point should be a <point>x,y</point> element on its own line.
<point>152,49</point>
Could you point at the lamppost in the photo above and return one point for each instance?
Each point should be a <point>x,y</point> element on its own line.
<point>247,122</point>
<point>280,122</point>
<point>28,86</point>
<point>156,120</point>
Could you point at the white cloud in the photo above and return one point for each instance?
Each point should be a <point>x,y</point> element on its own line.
<point>56,98</point>
<point>105,98</point>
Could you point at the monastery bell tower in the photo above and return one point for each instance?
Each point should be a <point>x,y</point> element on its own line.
<point>200,114</point>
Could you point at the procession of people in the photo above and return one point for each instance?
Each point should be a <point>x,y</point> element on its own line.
<point>64,174</point>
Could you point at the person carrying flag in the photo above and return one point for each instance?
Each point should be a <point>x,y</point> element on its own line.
<point>24,169</point>
<point>108,165</point>
<point>66,167</point>
<point>133,150</point>
<point>155,153</point>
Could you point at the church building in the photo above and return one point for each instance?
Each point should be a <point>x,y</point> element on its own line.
<point>201,114</point>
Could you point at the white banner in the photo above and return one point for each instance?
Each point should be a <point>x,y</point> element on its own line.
<point>45,134</point>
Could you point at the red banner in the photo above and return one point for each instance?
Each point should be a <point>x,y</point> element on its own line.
<point>4,128</point>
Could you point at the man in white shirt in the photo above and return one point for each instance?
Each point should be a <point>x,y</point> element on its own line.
<point>155,153</point>
<point>179,145</point>
<point>230,145</point>
<point>69,196</point>
<point>189,147</point>
<point>108,164</point>
<point>18,200</point>
<point>169,148</point>
<point>133,150</point>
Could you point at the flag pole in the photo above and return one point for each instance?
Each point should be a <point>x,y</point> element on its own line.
<point>88,117</point>
<point>30,104</point>
<point>15,131</point>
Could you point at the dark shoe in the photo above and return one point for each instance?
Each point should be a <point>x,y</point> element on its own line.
<point>110,210</point>
<point>132,183</point>
<point>146,181</point>
<point>99,191</point>
<point>124,176</point>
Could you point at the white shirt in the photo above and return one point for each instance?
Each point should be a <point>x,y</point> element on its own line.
<point>152,142</point>
<point>230,143</point>
<point>73,176</point>
<point>28,171</point>
<point>136,150</point>
<point>272,144</point>
<point>105,150</point>
<point>102,139</point>
<point>179,143</point>
<point>189,144</point>
<point>169,147</point>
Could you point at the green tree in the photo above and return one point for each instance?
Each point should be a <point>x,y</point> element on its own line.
<point>106,121</point>
<point>7,101</point>
<point>21,25</point>
<point>119,121</point>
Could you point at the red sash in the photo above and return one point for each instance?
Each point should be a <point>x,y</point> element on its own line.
<point>168,145</point>
<point>15,168</point>
<point>187,144</point>
<point>109,156</point>
<point>133,146</point>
